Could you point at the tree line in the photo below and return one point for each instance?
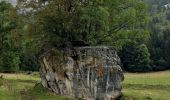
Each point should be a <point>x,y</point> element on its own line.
<point>137,29</point>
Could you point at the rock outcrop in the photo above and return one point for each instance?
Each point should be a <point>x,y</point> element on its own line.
<point>89,73</point>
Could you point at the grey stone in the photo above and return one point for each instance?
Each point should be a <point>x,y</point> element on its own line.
<point>84,72</point>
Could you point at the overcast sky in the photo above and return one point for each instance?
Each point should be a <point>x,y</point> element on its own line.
<point>11,1</point>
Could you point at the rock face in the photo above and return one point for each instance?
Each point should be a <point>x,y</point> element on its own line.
<point>89,73</point>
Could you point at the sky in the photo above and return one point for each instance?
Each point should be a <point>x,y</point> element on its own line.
<point>11,1</point>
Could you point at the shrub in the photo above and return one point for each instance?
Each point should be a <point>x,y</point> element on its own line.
<point>160,65</point>
<point>135,58</point>
<point>9,62</point>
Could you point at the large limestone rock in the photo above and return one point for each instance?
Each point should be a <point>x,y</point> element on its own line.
<point>89,73</point>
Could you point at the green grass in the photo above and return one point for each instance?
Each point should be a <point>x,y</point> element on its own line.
<point>24,87</point>
<point>136,86</point>
<point>10,88</point>
<point>40,93</point>
<point>147,86</point>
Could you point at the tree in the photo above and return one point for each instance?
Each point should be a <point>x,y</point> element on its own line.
<point>159,40</point>
<point>9,62</point>
<point>9,42</point>
<point>136,58</point>
<point>128,55</point>
<point>60,23</point>
<point>143,59</point>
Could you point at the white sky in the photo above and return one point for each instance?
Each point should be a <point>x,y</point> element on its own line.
<point>11,1</point>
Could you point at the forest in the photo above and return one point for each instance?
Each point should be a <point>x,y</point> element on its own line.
<point>138,30</point>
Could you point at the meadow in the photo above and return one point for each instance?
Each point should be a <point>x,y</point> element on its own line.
<point>147,86</point>
<point>24,87</point>
<point>136,86</point>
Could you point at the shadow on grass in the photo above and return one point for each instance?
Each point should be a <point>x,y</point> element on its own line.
<point>41,93</point>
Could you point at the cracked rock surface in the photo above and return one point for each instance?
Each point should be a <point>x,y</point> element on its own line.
<point>89,73</point>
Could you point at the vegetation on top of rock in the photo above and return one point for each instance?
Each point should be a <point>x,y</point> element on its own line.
<point>30,28</point>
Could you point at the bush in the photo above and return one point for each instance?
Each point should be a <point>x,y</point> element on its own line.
<point>9,62</point>
<point>135,58</point>
<point>29,63</point>
<point>143,59</point>
<point>160,65</point>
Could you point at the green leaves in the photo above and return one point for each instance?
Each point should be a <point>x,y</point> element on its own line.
<point>96,22</point>
<point>9,62</point>
<point>136,58</point>
<point>59,23</point>
<point>160,39</point>
<point>93,23</point>
<point>9,47</point>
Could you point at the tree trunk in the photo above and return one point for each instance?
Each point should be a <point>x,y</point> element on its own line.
<point>82,72</point>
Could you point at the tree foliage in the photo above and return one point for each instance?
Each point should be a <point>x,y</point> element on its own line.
<point>63,23</point>
<point>9,44</point>
<point>136,58</point>
<point>32,27</point>
<point>159,42</point>
<point>95,22</point>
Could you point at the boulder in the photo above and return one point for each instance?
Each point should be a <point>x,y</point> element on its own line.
<point>88,73</point>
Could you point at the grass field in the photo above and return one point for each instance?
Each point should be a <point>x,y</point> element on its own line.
<point>147,86</point>
<point>136,86</point>
<point>24,87</point>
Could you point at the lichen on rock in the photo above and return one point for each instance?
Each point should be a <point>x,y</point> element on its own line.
<point>83,72</point>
